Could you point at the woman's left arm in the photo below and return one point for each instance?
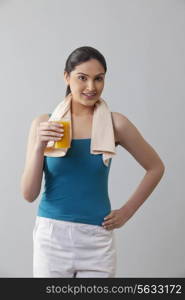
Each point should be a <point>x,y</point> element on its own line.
<point>131,139</point>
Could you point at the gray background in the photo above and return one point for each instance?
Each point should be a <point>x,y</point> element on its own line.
<point>144,45</point>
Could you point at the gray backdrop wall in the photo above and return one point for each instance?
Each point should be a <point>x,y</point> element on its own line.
<point>144,46</point>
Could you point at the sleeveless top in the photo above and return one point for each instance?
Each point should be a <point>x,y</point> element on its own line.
<point>76,186</point>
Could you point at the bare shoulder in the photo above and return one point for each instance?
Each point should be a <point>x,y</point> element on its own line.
<point>41,118</point>
<point>125,129</point>
<point>120,122</point>
<point>130,138</point>
<point>119,119</point>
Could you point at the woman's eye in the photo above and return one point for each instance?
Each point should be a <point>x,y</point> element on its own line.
<point>96,78</point>
<point>81,77</point>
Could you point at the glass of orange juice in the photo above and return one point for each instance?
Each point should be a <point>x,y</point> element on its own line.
<point>65,141</point>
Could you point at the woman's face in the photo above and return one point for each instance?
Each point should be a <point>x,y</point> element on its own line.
<point>86,78</point>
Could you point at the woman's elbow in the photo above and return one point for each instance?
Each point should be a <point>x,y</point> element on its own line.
<point>29,198</point>
<point>28,192</point>
<point>160,169</point>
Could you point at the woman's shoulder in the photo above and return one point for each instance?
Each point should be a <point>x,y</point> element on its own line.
<point>41,118</point>
<point>118,117</point>
<point>119,121</point>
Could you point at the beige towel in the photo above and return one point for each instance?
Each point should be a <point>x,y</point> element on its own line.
<point>102,139</point>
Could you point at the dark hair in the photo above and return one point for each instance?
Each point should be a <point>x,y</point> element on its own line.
<point>81,55</point>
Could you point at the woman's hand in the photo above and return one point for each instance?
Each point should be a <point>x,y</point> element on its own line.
<point>48,131</point>
<point>116,218</point>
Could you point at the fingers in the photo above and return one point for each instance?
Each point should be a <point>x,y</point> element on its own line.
<point>108,224</point>
<point>109,227</point>
<point>52,126</point>
<point>51,131</point>
<point>108,217</point>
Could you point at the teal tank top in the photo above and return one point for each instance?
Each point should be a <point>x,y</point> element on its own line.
<point>76,186</point>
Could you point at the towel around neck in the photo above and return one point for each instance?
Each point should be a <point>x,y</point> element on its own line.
<point>102,139</point>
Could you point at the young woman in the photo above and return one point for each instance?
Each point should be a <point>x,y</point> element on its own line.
<point>66,244</point>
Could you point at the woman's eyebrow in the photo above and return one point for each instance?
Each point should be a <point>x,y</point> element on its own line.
<point>88,75</point>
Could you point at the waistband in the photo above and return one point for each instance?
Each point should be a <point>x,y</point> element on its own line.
<point>83,226</point>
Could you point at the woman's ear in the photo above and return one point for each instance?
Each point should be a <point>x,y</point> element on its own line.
<point>66,78</point>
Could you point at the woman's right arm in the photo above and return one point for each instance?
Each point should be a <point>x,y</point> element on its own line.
<point>41,131</point>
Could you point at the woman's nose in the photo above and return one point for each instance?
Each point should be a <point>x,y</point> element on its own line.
<point>91,87</point>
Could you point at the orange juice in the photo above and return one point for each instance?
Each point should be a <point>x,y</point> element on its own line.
<point>64,142</point>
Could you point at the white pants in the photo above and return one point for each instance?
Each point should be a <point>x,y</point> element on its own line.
<point>71,249</point>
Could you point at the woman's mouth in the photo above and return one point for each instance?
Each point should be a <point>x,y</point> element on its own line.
<point>89,96</point>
